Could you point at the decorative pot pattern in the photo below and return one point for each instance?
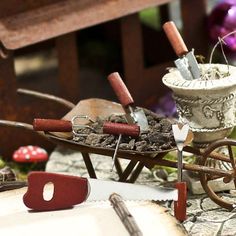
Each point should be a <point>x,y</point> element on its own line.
<point>209,107</point>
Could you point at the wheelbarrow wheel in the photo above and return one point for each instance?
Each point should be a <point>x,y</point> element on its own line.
<point>221,156</point>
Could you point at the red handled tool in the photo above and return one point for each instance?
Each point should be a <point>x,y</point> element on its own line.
<point>180,206</point>
<point>68,191</point>
<point>71,190</point>
<point>134,114</point>
<point>187,63</point>
<point>108,128</point>
<point>53,125</point>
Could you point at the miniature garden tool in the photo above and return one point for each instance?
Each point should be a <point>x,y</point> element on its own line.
<point>53,125</point>
<point>187,63</point>
<point>120,129</point>
<point>134,114</point>
<point>68,126</point>
<point>70,190</point>
<point>180,136</point>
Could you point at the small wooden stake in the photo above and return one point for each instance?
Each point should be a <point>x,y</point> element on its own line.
<point>124,214</point>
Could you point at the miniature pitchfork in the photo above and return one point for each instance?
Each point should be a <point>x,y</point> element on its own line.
<point>180,136</point>
<point>52,125</point>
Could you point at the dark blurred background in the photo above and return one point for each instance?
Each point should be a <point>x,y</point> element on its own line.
<point>99,51</point>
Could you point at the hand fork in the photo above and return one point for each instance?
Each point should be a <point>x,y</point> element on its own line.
<point>180,136</point>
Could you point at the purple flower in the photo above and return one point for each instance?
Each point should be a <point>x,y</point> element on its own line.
<point>166,106</point>
<point>221,21</point>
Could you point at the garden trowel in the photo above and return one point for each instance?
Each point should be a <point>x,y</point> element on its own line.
<point>134,114</point>
<point>187,63</point>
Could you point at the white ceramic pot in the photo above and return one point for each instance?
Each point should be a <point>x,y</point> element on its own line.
<point>208,106</point>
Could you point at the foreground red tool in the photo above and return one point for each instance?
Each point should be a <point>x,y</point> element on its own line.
<point>68,191</point>
<point>71,190</point>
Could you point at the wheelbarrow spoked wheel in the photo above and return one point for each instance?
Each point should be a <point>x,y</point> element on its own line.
<point>225,150</point>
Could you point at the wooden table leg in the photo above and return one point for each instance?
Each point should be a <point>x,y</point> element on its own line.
<point>89,165</point>
<point>7,89</point>
<point>68,66</point>
<point>194,25</point>
<point>131,36</point>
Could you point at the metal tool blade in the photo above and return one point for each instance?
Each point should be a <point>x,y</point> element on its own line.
<point>182,65</point>
<point>138,117</point>
<point>141,119</point>
<point>102,189</point>
<point>188,66</point>
<point>193,65</point>
<point>180,135</point>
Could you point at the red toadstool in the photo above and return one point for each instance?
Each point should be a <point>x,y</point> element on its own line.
<point>30,154</point>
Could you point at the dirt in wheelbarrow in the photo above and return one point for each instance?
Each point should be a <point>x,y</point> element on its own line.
<point>158,138</point>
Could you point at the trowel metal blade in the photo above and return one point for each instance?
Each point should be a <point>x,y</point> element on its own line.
<point>188,66</point>
<point>141,119</point>
<point>193,65</point>
<point>182,65</point>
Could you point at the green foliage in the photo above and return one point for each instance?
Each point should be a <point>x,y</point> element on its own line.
<point>233,134</point>
<point>171,156</point>
<point>2,163</point>
<point>22,169</point>
<point>150,17</point>
<point>169,170</point>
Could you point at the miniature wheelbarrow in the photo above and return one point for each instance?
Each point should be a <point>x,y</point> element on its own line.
<point>138,160</point>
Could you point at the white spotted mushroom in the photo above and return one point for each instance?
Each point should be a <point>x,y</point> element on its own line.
<point>30,154</point>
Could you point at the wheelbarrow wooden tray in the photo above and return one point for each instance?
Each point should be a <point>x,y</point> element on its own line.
<point>89,218</point>
<point>95,107</point>
<point>103,151</point>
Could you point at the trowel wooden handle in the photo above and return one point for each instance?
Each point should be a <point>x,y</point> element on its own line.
<point>119,128</point>
<point>67,191</point>
<point>120,89</point>
<point>52,125</point>
<point>175,38</point>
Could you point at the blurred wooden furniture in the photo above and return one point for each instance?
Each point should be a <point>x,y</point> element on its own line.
<point>25,22</point>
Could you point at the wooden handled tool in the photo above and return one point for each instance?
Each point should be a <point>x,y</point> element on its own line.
<point>180,136</point>
<point>120,128</point>
<point>134,115</point>
<point>52,125</point>
<point>187,63</point>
